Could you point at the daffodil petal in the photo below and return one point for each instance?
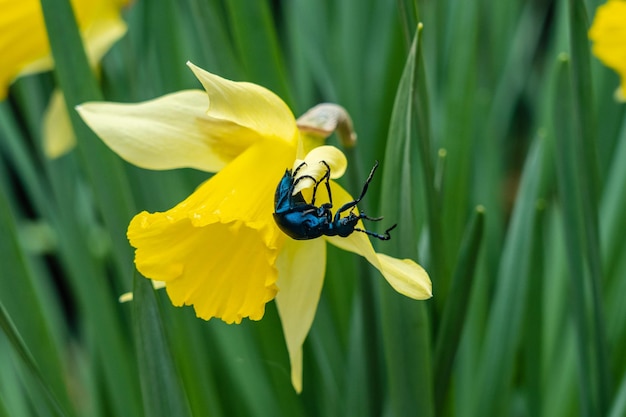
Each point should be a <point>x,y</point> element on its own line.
<point>23,38</point>
<point>169,132</point>
<point>314,167</point>
<point>405,276</point>
<point>217,249</point>
<point>102,35</point>
<point>301,266</point>
<point>248,105</point>
<point>608,33</point>
<point>58,135</point>
<point>24,44</point>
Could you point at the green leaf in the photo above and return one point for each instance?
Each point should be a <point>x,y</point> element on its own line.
<point>455,310</point>
<point>405,323</point>
<point>504,327</point>
<point>619,404</point>
<point>585,144</point>
<point>573,183</point>
<point>256,40</point>
<point>104,168</point>
<point>7,326</point>
<point>162,390</point>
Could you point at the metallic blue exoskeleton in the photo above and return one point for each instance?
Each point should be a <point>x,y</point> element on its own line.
<point>301,220</point>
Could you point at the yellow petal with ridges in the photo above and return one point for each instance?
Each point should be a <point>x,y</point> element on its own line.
<point>202,266</point>
<point>405,276</point>
<point>172,131</point>
<point>608,33</point>
<point>301,266</point>
<point>248,105</point>
<point>197,247</point>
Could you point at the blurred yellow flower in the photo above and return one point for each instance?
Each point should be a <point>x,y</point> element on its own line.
<point>25,50</point>
<point>608,33</point>
<point>220,249</point>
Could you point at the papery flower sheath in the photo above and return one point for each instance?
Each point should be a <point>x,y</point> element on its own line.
<point>608,33</point>
<point>25,50</point>
<point>220,249</point>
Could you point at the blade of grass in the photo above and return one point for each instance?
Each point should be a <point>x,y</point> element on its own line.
<point>612,214</point>
<point>405,325</point>
<point>7,326</point>
<point>619,402</point>
<point>254,32</point>
<point>103,167</point>
<point>455,308</point>
<point>591,188</point>
<point>161,386</point>
<point>27,285</point>
<point>570,191</point>
<point>246,388</point>
<point>53,195</point>
<point>503,331</point>
<point>533,332</point>
<point>4,412</point>
<point>114,203</point>
<point>194,360</point>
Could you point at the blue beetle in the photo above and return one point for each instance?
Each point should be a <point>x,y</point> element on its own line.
<point>301,220</point>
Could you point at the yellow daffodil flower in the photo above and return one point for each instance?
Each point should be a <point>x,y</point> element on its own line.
<point>608,33</point>
<point>25,50</point>
<point>220,249</point>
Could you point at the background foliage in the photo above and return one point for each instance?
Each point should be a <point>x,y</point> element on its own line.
<point>504,159</point>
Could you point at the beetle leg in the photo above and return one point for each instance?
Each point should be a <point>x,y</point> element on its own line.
<point>326,177</point>
<point>295,172</point>
<point>384,236</point>
<point>297,180</point>
<point>373,219</point>
<point>351,204</point>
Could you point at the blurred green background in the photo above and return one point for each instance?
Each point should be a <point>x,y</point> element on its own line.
<point>504,161</point>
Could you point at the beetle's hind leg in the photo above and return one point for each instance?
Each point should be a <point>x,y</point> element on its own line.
<point>351,204</point>
<point>384,236</point>
<point>372,219</point>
